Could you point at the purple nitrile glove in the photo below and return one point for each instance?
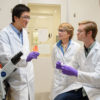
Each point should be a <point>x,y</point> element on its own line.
<point>69,70</point>
<point>32,55</point>
<point>58,65</point>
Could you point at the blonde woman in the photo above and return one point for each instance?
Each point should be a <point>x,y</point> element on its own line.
<point>63,51</point>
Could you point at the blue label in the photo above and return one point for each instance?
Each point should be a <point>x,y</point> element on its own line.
<point>3,74</point>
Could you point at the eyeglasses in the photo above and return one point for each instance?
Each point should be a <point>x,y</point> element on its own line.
<point>61,30</point>
<point>26,17</point>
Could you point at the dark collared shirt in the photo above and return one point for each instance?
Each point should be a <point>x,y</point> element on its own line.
<point>87,50</point>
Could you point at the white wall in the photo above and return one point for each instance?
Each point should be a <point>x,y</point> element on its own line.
<point>5,11</point>
<point>84,10</point>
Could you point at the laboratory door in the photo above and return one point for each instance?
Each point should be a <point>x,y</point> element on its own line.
<point>42,31</point>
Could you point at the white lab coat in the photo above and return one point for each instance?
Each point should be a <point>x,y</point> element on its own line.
<point>22,80</point>
<point>61,81</point>
<point>88,72</point>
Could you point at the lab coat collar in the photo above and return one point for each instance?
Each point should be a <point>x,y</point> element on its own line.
<point>60,42</point>
<point>15,29</point>
<point>59,45</point>
<point>13,33</point>
<point>95,48</point>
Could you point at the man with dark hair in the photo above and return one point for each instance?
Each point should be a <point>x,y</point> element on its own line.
<point>13,39</point>
<point>85,67</point>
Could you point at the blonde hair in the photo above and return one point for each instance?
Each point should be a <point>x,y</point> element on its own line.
<point>67,27</point>
<point>90,26</point>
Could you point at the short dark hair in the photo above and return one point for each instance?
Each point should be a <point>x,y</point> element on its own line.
<point>18,10</point>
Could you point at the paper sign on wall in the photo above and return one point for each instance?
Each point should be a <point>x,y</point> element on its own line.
<point>42,35</point>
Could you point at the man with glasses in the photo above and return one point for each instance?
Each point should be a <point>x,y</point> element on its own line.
<point>13,39</point>
<point>85,66</point>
